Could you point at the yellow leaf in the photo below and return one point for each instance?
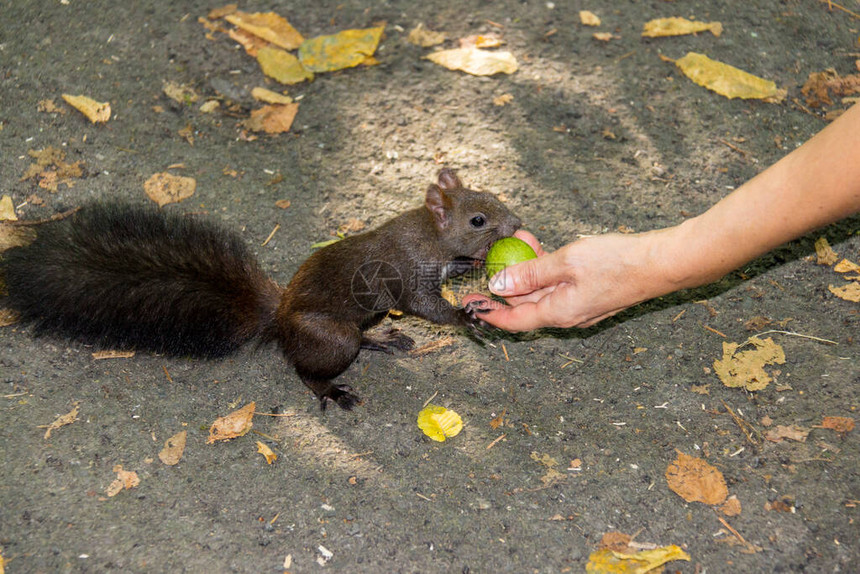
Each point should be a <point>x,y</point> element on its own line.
<point>96,112</point>
<point>475,61</point>
<point>846,266</point>
<point>7,209</point>
<point>678,27</point>
<point>421,36</point>
<point>268,26</point>
<point>439,423</point>
<point>345,49</point>
<point>164,188</point>
<point>589,18</point>
<point>727,80</point>
<point>282,66</point>
<point>850,292</point>
<point>270,97</point>
<point>611,562</point>
<point>825,254</point>
<point>269,455</point>
<point>746,368</point>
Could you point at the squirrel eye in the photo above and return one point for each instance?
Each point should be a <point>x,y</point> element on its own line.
<point>478,221</point>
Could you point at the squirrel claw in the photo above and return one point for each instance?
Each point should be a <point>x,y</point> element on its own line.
<point>341,395</point>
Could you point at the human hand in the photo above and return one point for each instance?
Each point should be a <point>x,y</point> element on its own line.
<point>576,286</point>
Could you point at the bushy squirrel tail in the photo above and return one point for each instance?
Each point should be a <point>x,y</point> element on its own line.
<point>127,277</point>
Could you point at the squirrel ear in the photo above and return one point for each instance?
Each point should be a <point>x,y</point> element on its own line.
<point>448,179</point>
<point>438,204</point>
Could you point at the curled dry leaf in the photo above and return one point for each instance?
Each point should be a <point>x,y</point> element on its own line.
<point>269,26</point>
<point>695,480</point>
<point>274,119</point>
<point>125,479</point>
<point>746,368</point>
<point>267,453</point>
<point>475,61</point>
<point>824,253</point>
<point>727,80</point>
<point>662,27</point>
<point>346,49</point>
<point>173,449</point>
<point>282,66</point>
<point>164,188</point>
<point>787,432</point>
<point>421,36</point>
<point>236,424</point>
<point>589,18</point>
<point>96,112</point>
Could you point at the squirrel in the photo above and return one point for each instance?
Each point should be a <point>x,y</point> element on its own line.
<point>127,277</point>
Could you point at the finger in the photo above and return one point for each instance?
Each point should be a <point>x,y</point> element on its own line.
<point>525,317</point>
<point>531,240</point>
<point>529,276</point>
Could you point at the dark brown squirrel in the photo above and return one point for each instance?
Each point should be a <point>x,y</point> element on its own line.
<point>120,276</point>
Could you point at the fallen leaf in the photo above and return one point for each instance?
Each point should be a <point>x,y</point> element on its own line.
<point>282,66</point>
<point>7,209</point>
<point>61,421</point>
<point>727,80</point>
<point>439,423</point>
<point>610,562</point>
<point>784,504</point>
<point>216,13</point>
<point>283,203</point>
<point>746,368</point>
<point>481,41</point>
<point>233,425</point>
<point>125,479</point>
<point>173,449</point>
<point>251,43</point>
<point>615,541</point>
<point>269,26</point>
<point>49,107</point>
<point>421,36</point>
<point>96,112</point>
<point>345,49</point>
<point>662,27</point>
<point>823,251</point>
<point>475,61</point>
<point>850,292</point>
<point>267,453</point>
<point>589,18</point>
<point>732,506</point>
<point>846,266</point>
<point>351,226</point>
<point>503,100</point>
<point>50,168</point>
<point>695,480</point>
<point>819,85</point>
<point>787,432</point>
<point>602,37</point>
<point>270,97</point>
<point>838,424</point>
<point>757,323</point>
<point>274,119</point>
<point>210,106</point>
<point>498,421</point>
<point>164,188</point>
<point>180,93</point>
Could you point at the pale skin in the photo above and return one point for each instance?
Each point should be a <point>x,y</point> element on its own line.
<point>596,277</point>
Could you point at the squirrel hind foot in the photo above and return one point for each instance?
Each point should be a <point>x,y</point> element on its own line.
<point>342,395</point>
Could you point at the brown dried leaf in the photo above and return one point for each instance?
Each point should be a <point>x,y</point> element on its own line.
<point>503,100</point>
<point>236,424</point>
<point>732,506</point>
<point>125,479</point>
<point>49,107</point>
<point>96,112</point>
<point>787,432</point>
<point>269,26</point>
<point>7,209</point>
<point>164,188</point>
<point>274,119</point>
<point>819,85</point>
<point>695,480</point>
<point>757,323</point>
<point>825,253</point>
<point>173,449</point>
<point>589,18</point>
<point>61,421</point>
<point>838,424</point>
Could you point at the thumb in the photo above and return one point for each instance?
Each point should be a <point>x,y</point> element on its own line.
<point>528,276</point>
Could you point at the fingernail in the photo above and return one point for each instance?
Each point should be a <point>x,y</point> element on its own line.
<point>498,283</point>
